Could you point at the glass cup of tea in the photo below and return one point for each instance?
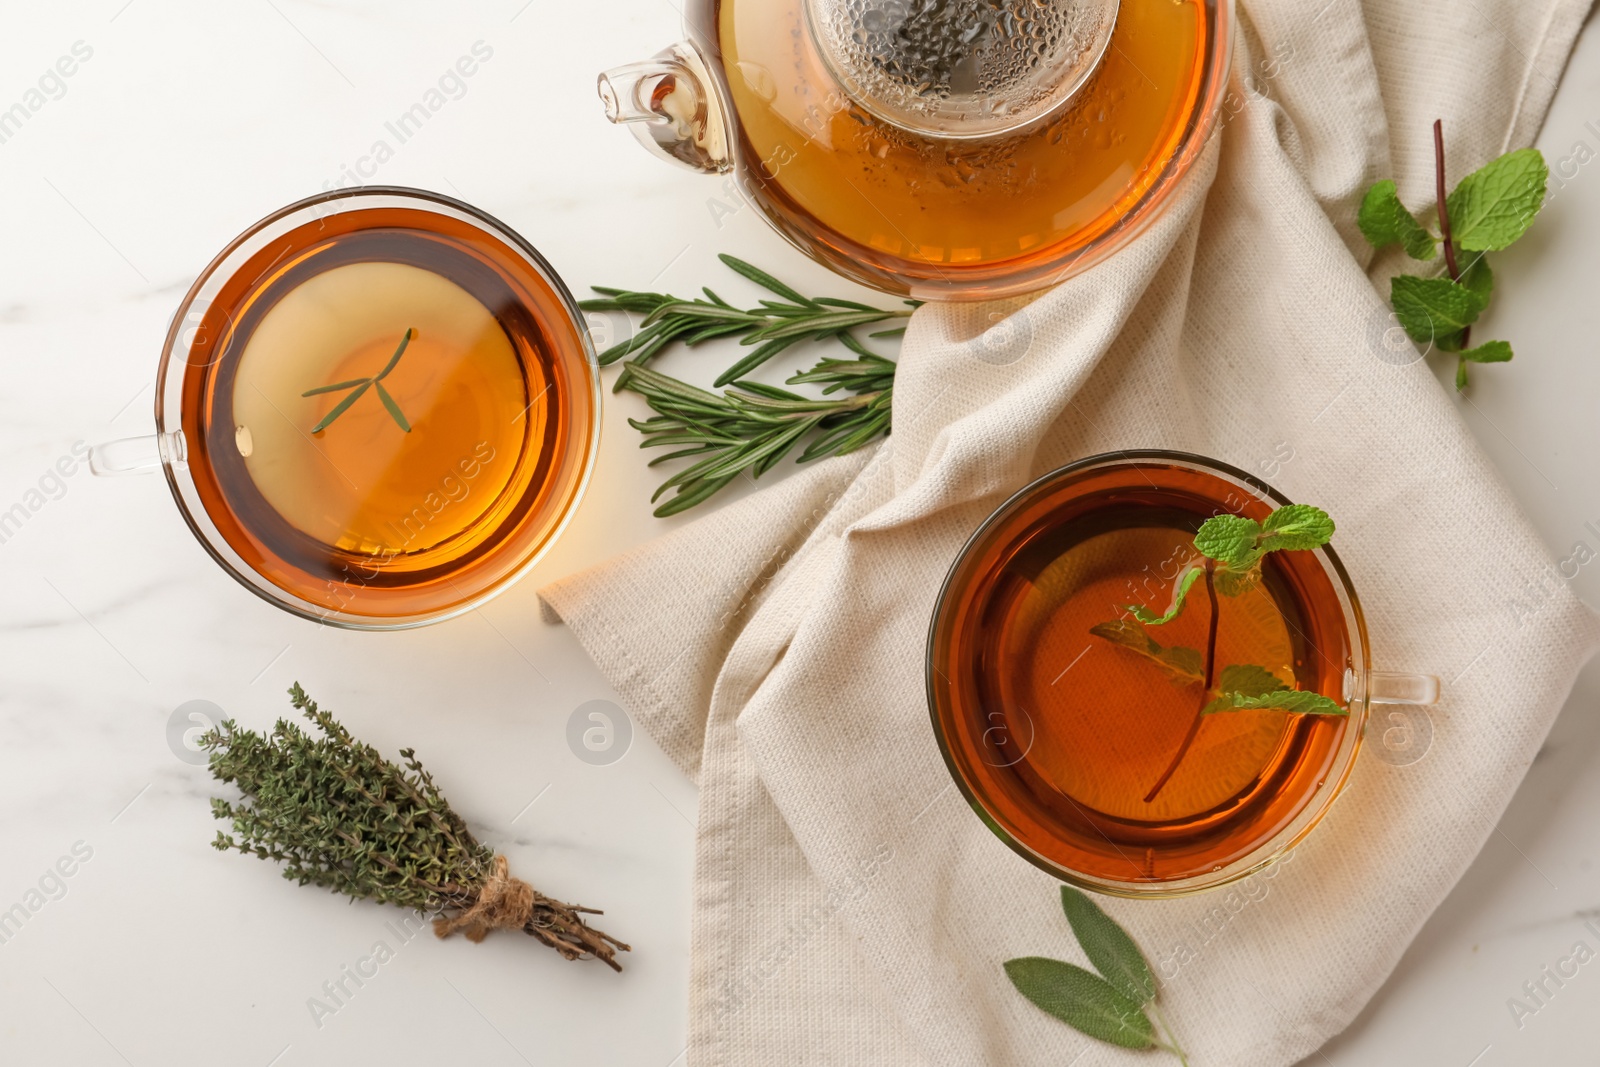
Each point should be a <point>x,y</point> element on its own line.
<point>961,151</point>
<point>376,408</point>
<point>1082,736</point>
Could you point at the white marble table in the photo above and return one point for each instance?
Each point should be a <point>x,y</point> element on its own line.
<point>180,124</point>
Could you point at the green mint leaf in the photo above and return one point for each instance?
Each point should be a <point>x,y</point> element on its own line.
<point>1183,665</point>
<point>1228,539</point>
<point>1432,308</point>
<point>1293,701</point>
<point>1384,220</point>
<point>1489,352</point>
<point>1296,527</point>
<point>1246,679</point>
<point>1084,1001</point>
<point>1461,375</point>
<point>1108,947</point>
<point>1150,618</point>
<point>1495,205</point>
<point>1479,278</point>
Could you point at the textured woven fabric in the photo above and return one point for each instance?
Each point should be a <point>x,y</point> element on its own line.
<point>848,908</point>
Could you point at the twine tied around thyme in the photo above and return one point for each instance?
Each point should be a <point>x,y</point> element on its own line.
<point>507,903</point>
<point>504,903</point>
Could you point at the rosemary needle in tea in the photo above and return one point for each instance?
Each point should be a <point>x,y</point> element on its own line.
<point>359,386</point>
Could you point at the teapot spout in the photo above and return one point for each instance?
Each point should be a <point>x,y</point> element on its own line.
<point>671,104</point>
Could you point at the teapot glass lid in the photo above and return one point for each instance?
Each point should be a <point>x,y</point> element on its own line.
<point>961,68</point>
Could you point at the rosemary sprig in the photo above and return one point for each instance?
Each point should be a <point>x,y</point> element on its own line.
<point>772,327</point>
<point>751,426</point>
<point>359,386</point>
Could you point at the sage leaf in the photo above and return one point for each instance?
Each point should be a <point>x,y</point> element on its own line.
<point>1494,205</point>
<point>1084,1001</point>
<point>1108,947</point>
<point>1384,220</point>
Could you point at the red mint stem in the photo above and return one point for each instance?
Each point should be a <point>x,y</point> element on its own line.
<point>1444,216</point>
<point>1205,692</point>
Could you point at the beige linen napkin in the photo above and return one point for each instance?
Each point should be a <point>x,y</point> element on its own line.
<point>848,907</point>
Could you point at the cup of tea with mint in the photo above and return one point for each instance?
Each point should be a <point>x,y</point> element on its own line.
<point>1149,673</point>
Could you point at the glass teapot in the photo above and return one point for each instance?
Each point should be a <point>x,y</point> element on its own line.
<point>939,149</point>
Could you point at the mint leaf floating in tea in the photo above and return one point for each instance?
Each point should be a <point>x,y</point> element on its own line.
<point>1109,1006</point>
<point>1488,211</point>
<point>337,814</point>
<point>1293,701</point>
<point>1245,686</point>
<point>359,386</point>
<point>1182,665</point>
<point>1246,679</point>
<point>752,426</point>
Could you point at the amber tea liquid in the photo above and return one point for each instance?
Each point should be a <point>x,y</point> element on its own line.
<point>936,208</point>
<point>1069,738</point>
<point>362,517</point>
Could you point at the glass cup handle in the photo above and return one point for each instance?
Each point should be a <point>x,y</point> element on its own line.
<point>138,455</point>
<point>1384,687</point>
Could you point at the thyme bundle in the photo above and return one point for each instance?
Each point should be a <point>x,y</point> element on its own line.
<point>337,814</point>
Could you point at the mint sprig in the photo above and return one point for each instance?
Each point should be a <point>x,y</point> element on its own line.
<point>1113,1006</point>
<point>1488,211</point>
<point>1233,547</point>
<point>1240,543</point>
